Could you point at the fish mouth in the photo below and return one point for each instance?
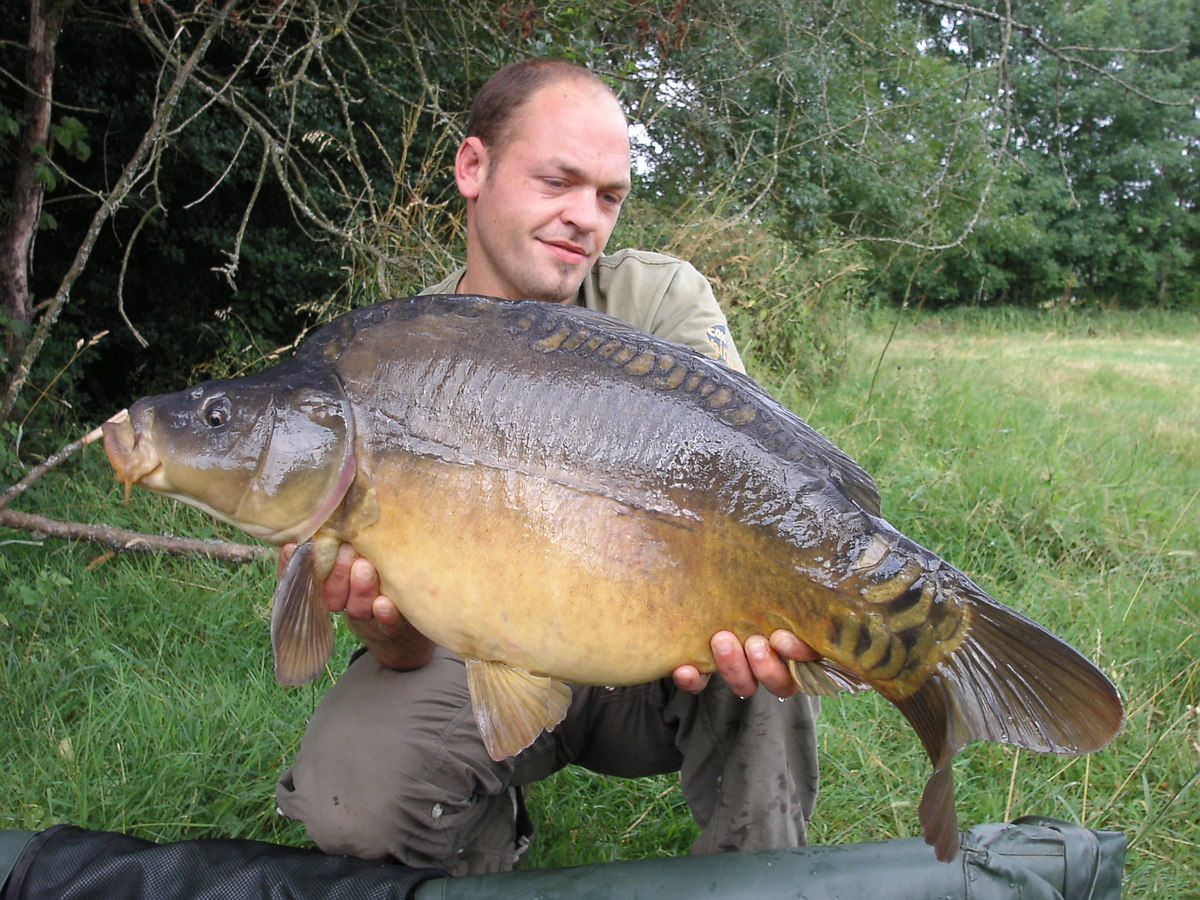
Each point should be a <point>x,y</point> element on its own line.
<point>130,453</point>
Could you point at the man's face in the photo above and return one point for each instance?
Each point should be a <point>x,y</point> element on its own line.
<point>541,211</point>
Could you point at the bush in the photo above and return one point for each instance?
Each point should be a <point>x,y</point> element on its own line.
<point>789,308</point>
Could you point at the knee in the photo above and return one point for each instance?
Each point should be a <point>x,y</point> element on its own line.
<point>340,825</point>
<point>369,819</point>
<point>421,793</point>
<point>417,822</point>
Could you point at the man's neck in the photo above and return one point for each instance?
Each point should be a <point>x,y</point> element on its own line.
<point>463,287</point>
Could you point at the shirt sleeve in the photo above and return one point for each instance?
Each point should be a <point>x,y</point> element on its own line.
<point>448,285</point>
<point>665,296</point>
<point>689,314</point>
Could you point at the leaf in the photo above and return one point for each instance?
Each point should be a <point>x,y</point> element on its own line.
<point>70,134</point>
<point>100,560</point>
<point>44,176</point>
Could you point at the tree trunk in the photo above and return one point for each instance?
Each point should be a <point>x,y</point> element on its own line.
<point>16,243</point>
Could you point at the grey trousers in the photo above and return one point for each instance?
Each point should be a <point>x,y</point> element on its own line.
<point>392,764</point>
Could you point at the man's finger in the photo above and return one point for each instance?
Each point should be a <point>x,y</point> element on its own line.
<point>337,583</point>
<point>771,671</point>
<point>689,678</point>
<point>362,588</point>
<point>788,645</point>
<point>386,614</point>
<point>732,664</point>
<point>285,553</point>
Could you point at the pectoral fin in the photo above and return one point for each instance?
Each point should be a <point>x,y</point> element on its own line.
<point>301,630</point>
<point>512,706</point>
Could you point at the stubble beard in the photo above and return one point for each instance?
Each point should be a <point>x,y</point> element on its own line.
<point>559,282</point>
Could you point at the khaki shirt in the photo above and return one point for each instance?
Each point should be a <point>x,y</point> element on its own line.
<point>660,294</point>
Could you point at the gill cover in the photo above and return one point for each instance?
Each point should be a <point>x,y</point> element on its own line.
<point>272,454</point>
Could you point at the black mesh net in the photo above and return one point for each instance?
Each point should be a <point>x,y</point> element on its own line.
<point>69,863</point>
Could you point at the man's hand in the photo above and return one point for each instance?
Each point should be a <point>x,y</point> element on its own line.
<point>352,587</point>
<point>744,668</point>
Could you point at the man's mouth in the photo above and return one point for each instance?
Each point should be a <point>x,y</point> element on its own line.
<point>567,251</point>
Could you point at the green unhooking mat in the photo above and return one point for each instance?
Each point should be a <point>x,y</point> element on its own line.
<point>1031,859</point>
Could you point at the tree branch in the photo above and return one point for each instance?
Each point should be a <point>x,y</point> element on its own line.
<point>130,175</point>
<point>116,538</point>
<point>122,540</point>
<point>45,22</point>
<point>1060,53</point>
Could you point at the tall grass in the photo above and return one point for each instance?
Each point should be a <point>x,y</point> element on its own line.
<point>1055,464</point>
<point>1059,467</point>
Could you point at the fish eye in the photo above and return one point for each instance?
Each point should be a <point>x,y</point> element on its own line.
<point>216,412</point>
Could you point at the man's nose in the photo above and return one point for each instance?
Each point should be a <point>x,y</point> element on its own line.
<point>583,209</point>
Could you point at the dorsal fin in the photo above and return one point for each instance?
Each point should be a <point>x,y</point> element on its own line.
<point>734,398</point>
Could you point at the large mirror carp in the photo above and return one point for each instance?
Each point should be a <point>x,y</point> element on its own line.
<point>561,498</point>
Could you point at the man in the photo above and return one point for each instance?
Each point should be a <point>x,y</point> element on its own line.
<point>392,763</point>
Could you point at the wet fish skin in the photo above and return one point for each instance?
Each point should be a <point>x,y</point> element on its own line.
<point>560,498</point>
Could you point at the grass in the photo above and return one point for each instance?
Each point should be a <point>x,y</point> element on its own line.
<point>1058,465</point>
<point>1054,458</point>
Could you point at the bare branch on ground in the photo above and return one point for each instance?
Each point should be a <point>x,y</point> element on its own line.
<point>122,540</point>
<point>115,538</point>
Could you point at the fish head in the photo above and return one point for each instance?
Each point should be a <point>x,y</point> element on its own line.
<point>273,455</point>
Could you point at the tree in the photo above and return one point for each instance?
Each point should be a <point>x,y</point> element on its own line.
<point>251,167</point>
<point>31,172</point>
<point>1098,177</point>
<point>246,121</point>
<point>45,22</point>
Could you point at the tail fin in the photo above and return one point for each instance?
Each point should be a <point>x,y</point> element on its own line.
<point>1010,681</point>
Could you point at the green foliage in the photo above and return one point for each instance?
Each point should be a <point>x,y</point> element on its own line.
<point>71,135</point>
<point>9,127</point>
<point>1052,455</point>
<point>977,160</point>
<point>888,153</point>
<point>11,470</point>
<point>1105,177</point>
<point>789,309</point>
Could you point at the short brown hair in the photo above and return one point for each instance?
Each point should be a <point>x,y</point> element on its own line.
<point>511,87</point>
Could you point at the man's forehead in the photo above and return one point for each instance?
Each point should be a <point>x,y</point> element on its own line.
<point>571,131</point>
<point>572,98</point>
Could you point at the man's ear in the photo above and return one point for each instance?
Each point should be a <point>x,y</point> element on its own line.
<point>470,167</point>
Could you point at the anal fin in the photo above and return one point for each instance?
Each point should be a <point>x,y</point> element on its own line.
<point>512,706</point>
<point>934,714</point>
<point>301,629</point>
<point>824,678</point>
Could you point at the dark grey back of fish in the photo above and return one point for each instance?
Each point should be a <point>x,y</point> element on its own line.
<point>494,380</point>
